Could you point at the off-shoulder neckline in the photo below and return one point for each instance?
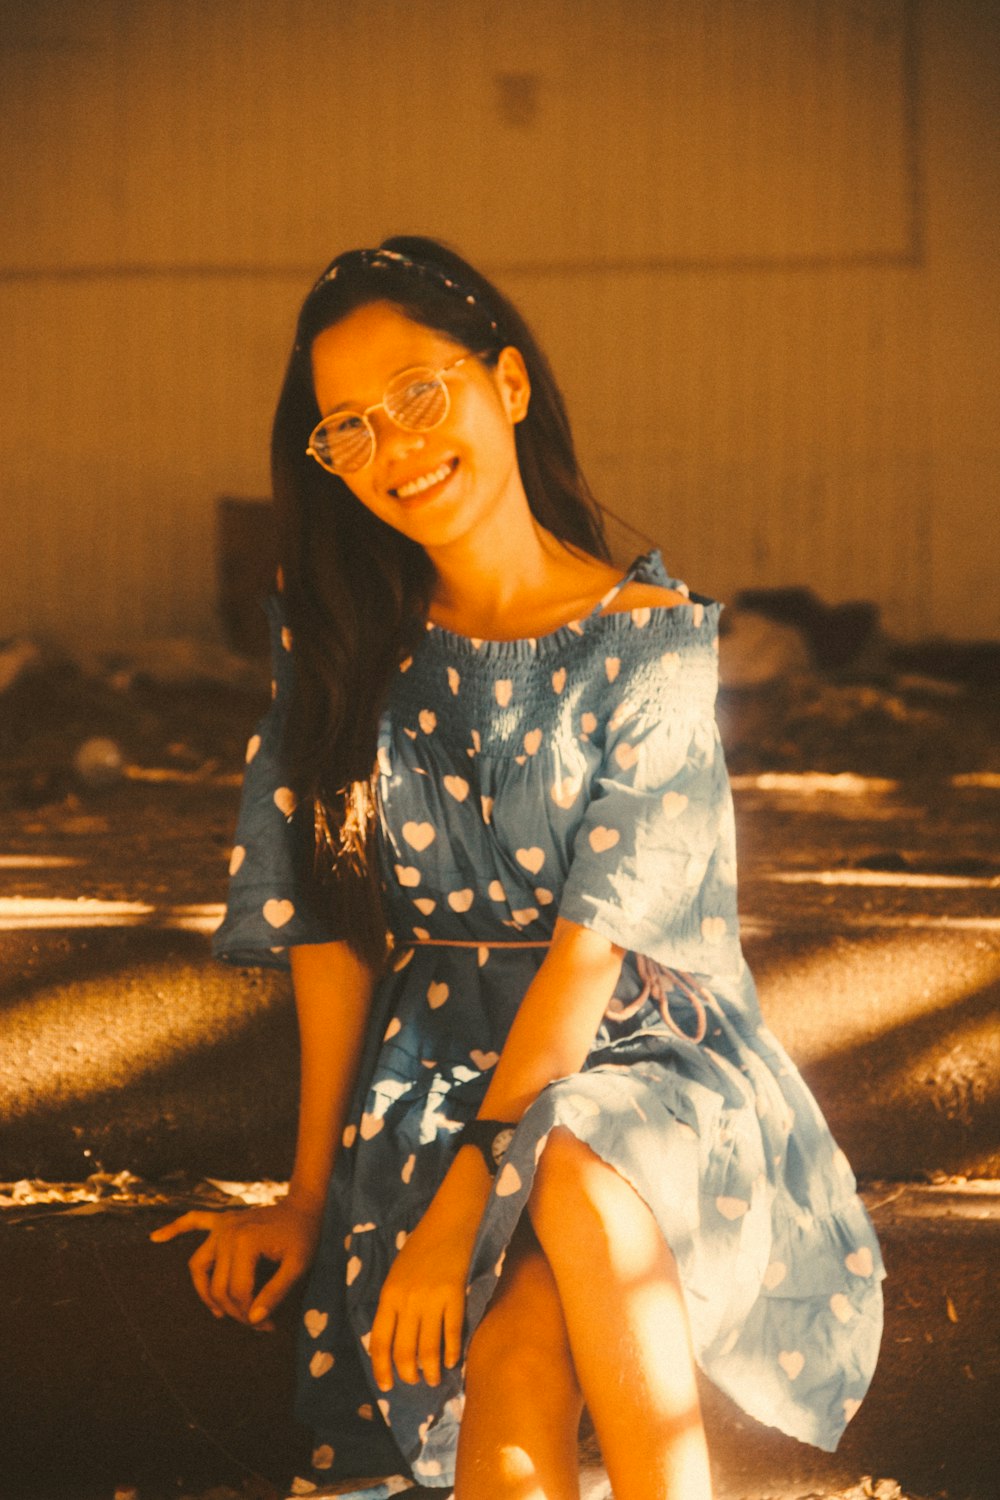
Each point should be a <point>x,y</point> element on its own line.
<point>648,567</point>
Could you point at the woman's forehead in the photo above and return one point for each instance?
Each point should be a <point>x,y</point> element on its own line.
<point>369,346</point>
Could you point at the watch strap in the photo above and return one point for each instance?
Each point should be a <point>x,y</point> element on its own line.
<point>491,1138</point>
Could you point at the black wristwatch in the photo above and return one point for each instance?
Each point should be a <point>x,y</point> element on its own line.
<point>491,1137</point>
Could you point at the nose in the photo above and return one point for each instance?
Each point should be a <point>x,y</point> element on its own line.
<point>391,438</point>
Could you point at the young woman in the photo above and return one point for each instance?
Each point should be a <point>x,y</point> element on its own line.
<point>548,1153</point>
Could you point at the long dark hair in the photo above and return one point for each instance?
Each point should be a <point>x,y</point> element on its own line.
<point>357,591</point>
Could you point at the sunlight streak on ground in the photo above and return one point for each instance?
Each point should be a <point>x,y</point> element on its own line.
<point>37,862</point>
<point>37,913</point>
<point>911,879</point>
<point>872,986</point>
<point>809,783</point>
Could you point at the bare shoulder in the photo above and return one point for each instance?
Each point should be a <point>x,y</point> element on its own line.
<point>646,596</point>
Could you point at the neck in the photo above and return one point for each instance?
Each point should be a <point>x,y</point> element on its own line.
<point>484,578</point>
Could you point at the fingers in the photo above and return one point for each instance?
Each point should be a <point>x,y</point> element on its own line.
<point>197,1219</point>
<point>454,1324</point>
<point>274,1291</point>
<point>201,1265</point>
<point>224,1265</point>
<point>380,1343</point>
<point>413,1337</point>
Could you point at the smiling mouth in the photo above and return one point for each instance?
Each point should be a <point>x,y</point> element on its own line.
<point>426,481</point>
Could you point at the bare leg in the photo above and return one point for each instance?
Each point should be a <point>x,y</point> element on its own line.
<point>626,1321</point>
<point>523,1404</point>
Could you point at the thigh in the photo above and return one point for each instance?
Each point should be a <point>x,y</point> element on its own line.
<point>525,1316</point>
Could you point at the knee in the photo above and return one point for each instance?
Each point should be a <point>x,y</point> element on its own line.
<point>566,1183</point>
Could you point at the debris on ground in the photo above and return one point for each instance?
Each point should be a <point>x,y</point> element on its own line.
<point>105,1192</point>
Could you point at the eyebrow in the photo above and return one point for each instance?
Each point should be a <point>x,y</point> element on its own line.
<point>360,407</point>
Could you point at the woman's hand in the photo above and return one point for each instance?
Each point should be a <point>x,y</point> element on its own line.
<point>224,1266</point>
<point>421,1311</point>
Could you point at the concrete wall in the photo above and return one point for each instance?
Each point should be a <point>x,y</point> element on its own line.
<point>759,240</point>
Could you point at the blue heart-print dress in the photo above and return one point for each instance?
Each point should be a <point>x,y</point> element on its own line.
<point>578,774</point>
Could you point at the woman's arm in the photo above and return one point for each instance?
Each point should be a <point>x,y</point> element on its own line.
<point>333,989</point>
<point>332,997</point>
<point>423,1301</point>
<point>557,1020</point>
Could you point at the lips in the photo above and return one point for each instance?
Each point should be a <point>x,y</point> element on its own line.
<point>428,479</point>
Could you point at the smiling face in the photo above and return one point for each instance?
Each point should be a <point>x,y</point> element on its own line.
<point>434,486</point>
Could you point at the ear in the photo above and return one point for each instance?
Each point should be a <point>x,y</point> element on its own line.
<point>512,382</point>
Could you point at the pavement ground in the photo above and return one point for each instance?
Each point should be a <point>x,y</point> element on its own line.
<point>872,920</point>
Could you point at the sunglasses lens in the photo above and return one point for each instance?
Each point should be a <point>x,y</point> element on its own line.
<point>417,399</point>
<point>342,442</point>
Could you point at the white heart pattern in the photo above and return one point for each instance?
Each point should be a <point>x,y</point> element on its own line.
<point>278,913</point>
<point>559,680</point>
<point>370,1126</point>
<point>525,916</point>
<point>394,1027</point>
<point>626,755</point>
<point>532,859</point>
<point>408,1165</point>
<point>484,1060</point>
<point>320,1363</point>
<point>841,1307</point>
<point>419,835</point>
<point>453,680</point>
<point>353,1270</point>
<point>253,745</point>
<point>285,800</point>
<point>588,723</point>
<point>237,857</point>
<point>640,618</point>
<point>731,1208</point>
<point>322,1457</point>
<point>496,892</point>
<point>424,905</point>
<point>564,793</point>
<point>509,1180</point>
<point>457,787</point>
<point>533,741</point>
<point>315,1321</point>
<point>487,805</point>
<point>427,720</point>
<point>612,666</point>
<point>860,1262</point>
<point>602,839</point>
<point>504,691</point>
<point>408,875</point>
<point>792,1361</point>
<point>461,900</point>
<point>673,804</point>
<point>437,994</point>
<point>775,1274</point>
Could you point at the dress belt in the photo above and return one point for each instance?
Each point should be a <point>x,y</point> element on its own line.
<point>474,943</point>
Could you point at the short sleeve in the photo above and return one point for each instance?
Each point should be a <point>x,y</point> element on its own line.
<point>653,864</point>
<point>275,901</point>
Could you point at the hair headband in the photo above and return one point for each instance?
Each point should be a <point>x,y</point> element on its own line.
<point>382,260</point>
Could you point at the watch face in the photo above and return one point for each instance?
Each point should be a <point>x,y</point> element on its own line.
<point>501,1141</point>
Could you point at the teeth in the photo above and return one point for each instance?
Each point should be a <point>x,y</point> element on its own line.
<point>416,486</point>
